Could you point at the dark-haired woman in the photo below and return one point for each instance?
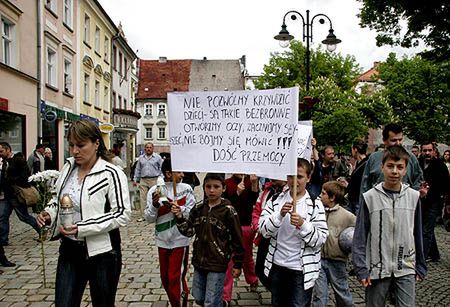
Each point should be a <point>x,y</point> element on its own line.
<point>90,249</point>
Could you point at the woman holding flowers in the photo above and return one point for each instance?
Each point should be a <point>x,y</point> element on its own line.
<point>90,248</point>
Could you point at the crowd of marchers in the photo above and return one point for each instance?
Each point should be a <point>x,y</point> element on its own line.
<point>374,213</point>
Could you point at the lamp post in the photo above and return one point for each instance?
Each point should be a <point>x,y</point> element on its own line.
<point>284,37</point>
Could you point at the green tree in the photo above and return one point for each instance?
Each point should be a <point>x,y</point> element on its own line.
<point>418,91</point>
<point>288,68</point>
<point>426,21</point>
<point>341,114</point>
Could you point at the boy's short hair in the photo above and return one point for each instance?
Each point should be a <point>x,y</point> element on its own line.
<point>303,163</point>
<point>396,153</point>
<point>214,176</point>
<point>166,166</point>
<point>392,127</point>
<point>334,188</point>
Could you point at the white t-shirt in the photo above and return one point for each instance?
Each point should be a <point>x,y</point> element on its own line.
<point>289,243</point>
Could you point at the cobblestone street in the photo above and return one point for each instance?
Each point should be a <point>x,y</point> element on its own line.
<point>140,283</point>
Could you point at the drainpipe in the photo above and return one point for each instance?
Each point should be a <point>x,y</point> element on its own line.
<point>39,75</point>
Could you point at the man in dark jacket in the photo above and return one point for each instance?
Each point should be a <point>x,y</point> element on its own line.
<point>436,177</point>
<point>14,172</point>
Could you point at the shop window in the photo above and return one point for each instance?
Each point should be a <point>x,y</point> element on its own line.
<point>12,130</point>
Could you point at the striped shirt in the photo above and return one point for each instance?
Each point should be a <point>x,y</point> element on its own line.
<point>309,237</point>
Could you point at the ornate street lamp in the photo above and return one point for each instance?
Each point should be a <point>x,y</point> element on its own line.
<point>284,37</point>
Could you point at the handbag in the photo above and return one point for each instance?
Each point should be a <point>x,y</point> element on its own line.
<point>28,196</point>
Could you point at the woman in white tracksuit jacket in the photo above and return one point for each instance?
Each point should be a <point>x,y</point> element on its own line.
<point>90,248</point>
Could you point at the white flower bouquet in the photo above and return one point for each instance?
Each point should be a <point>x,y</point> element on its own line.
<point>45,184</point>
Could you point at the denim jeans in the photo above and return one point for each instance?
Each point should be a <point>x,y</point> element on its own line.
<point>288,288</point>
<point>404,291</point>
<point>207,288</point>
<point>332,272</point>
<point>7,205</point>
<point>75,269</point>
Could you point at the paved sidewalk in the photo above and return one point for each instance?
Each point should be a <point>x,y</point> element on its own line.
<point>140,284</point>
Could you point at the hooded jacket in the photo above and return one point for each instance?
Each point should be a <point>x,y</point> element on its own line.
<point>104,202</point>
<point>388,235</point>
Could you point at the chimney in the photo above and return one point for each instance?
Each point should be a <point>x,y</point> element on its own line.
<point>162,59</point>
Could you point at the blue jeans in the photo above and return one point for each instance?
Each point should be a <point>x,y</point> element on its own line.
<point>207,288</point>
<point>288,288</point>
<point>404,291</point>
<point>7,205</point>
<point>75,269</point>
<point>332,272</point>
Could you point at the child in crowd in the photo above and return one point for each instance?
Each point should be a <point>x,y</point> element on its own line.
<point>218,236</point>
<point>333,263</point>
<point>387,244</point>
<point>173,247</point>
<point>272,189</point>
<point>242,192</point>
<point>296,237</point>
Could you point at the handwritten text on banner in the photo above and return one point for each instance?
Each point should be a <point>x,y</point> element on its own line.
<point>234,132</point>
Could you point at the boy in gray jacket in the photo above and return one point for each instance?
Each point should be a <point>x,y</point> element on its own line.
<point>387,244</point>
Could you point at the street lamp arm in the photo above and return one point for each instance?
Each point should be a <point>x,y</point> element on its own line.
<point>322,21</point>
<point>293,13</point>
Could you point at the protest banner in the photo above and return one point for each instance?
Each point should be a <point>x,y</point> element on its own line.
<point>248,132</point>
<point>305,134</point>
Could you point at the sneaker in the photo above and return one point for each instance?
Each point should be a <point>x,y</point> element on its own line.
<point>254,287</point>
<point>140,219</point>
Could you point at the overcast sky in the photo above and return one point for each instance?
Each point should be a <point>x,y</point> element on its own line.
<point>182,29</point>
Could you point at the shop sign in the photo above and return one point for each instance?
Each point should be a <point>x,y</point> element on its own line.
<point>106,127</point>
<point>50,116</point>
<point>125,121</point>
<point>3,104</point>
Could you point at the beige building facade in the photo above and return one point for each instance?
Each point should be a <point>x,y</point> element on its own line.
<point>19,103</point>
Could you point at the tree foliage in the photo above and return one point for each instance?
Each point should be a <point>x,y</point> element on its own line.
<point>427,21</point>
<point>341,115</point>
<point>418,91</point>
<point>288,68</point>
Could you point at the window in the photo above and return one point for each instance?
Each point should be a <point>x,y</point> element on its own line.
<point>97,93</point>
<point>67,76</point>
<point>120,102</point>
<point>148,109</point>
<point>106,49</point>
<point>125,67</point>
<point>87,80</point>
<point>149,133</point>
<point>106,99</point>
<point>51,5</point>
<point>161,132</point>
<point>7,51</point>
<point>87,29</point>
<point>114,58</point>
<point>124,104</point>
<point>97,39</point>
<point>120,63</point>
<point>51,67</point>
<point>114,100</point>
<point>161,110</point>
<point>67,16</point>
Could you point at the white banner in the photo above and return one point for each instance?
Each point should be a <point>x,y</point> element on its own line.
<point>247,132</point>
<point>305,134</point>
